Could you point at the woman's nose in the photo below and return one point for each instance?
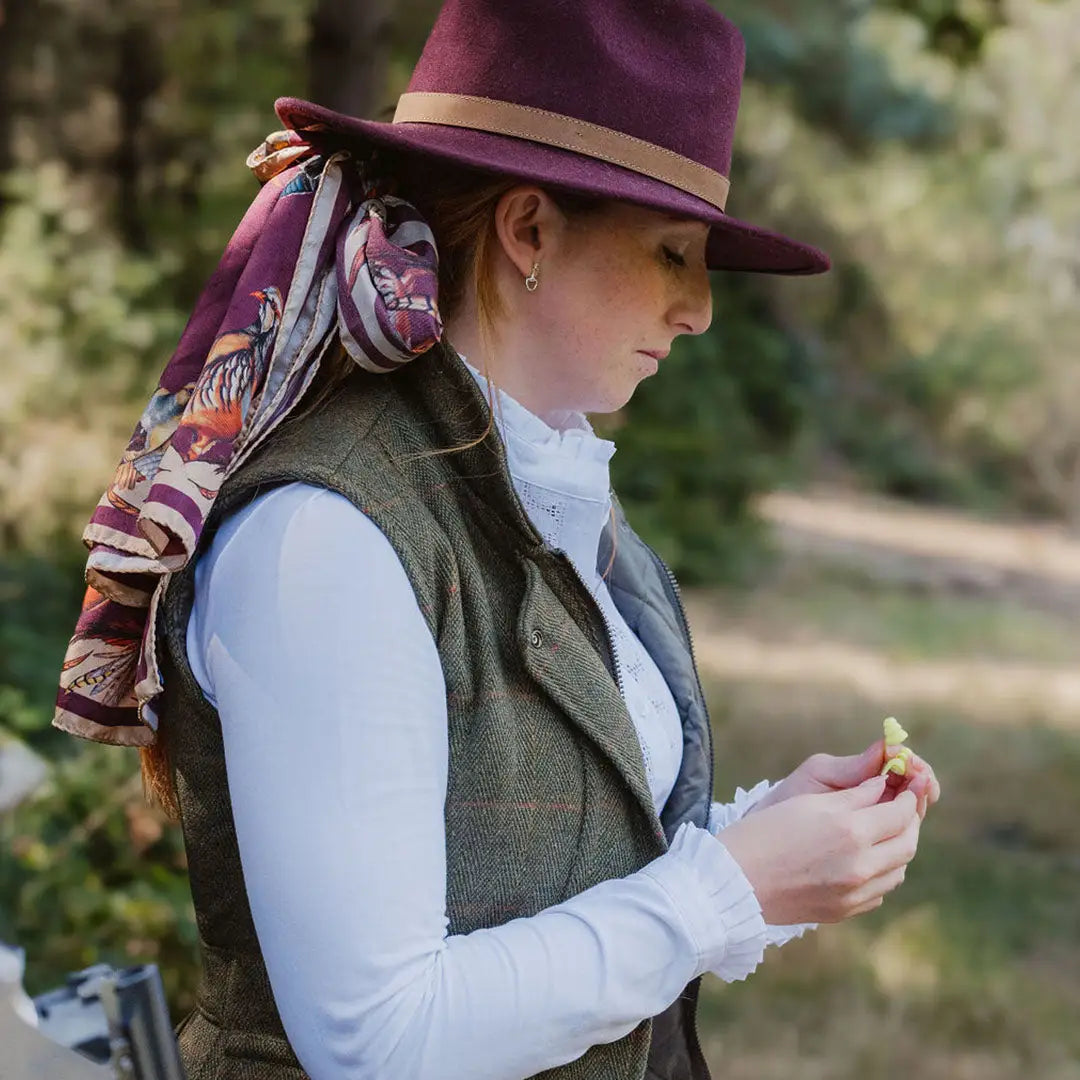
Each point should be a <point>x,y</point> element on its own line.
<point>692,313</point>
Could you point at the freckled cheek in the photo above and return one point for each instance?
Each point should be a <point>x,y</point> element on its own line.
<point>569,323</point>
<point>625,315</point>
<point>639,308</point>
<point>635,290</point>
<point>616,299</point>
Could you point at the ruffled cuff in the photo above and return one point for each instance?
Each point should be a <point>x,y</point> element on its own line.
<point>716,901</point>
<point>721,815</point>
<point>781,935</point>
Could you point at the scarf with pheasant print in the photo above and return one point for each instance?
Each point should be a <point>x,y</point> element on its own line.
<point>320,257</point>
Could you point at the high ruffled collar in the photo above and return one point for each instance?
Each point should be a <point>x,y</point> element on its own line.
<point>561,473</point>
<point>573,457</point>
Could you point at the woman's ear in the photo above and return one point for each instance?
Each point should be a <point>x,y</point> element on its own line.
<point>529,226</point>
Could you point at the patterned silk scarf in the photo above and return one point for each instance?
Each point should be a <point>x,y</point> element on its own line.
<point>319,257</point>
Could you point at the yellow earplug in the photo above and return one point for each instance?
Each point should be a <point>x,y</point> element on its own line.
<point>894,736</point>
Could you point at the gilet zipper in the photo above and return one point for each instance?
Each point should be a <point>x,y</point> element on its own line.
<point>675,594</point>
<point>616,668</point>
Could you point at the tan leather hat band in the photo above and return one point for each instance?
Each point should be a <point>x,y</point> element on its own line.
<point>568,133</point>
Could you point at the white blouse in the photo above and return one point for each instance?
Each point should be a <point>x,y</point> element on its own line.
<point>562,477</point>
<point>306,636</point>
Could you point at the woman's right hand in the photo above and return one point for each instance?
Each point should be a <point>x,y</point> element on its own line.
<point>825,857</point>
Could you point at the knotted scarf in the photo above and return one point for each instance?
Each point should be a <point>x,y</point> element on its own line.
<point>323,254</point>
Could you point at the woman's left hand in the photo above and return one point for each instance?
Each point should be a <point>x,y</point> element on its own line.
<point>826,772</point>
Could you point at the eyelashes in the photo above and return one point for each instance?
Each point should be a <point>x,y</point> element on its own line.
<point>672,258</point>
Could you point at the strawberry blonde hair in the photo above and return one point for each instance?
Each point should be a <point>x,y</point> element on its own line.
<point>458,203</point>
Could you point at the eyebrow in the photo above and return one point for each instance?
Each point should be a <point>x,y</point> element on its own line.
<point>676,219</point>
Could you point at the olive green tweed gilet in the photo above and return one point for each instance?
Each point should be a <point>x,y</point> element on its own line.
<point>547,793</point>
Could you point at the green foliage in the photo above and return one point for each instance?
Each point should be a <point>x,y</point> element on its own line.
<point>948,323</point>
<point>839,72</point>
<point>956,28</point>
<point>116,210</point>
<point>924,143</point>
<point>223,66</point>
<point>713,429</point>
<point>88,873</point>
<point>81,314</point>
<point>38,596</point>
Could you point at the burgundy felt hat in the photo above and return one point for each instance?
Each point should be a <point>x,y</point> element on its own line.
<point>633,99</point>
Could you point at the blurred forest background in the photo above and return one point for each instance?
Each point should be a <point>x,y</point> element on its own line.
<point>870,479</point>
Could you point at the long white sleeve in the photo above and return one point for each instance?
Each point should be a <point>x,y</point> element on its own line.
<point>307,636</point>
<point>723,814</point>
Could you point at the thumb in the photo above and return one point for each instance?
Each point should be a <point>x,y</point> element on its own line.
<point>868,793</point>
<point>847,772</point>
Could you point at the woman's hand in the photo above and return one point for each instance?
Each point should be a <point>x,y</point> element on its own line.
<point>825,772</point>
<point>826,856</point>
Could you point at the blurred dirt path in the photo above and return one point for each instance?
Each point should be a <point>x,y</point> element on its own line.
<point>898,541</point>
<point>892,541</point>
<point>997,692</point>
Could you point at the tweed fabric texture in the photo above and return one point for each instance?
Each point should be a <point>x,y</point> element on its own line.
<point>547,794</point>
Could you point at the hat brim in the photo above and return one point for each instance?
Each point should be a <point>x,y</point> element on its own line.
<point>731,245</point>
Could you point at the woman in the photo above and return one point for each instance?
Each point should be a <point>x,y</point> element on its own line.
<point>427,704</point>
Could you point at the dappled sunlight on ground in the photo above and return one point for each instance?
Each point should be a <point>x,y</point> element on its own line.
<point>996,691</point>
<point>972,968</point>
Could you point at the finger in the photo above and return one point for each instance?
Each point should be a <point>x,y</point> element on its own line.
<point>873,757</point>
<point>925,793</point>
<point>862,909</point>
<point>890,792</point>
<point>877,887</point>
<point>849,770</point>
<point>920,799</point>
<point>897,850</point>
<point>932,787</point>
<point>861,796</point>
<point>922,781</point>
<point>926,800</point>
<point>888,818</point>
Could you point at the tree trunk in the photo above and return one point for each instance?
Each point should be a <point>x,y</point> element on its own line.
<point>138,75</point>
<point>350,40</point>
<point>14,30</point>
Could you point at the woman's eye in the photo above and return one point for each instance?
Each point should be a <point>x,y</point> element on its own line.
<point>673,258</point>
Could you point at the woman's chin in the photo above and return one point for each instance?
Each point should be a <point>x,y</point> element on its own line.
<point>612,393</point>
<point>651,364</point>
<point>648,367</point>
<point>618,398</point>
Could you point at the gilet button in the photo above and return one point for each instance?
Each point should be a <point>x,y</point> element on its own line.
<point>536,639</point>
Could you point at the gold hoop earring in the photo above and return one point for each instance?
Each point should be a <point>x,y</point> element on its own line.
<point>532,282</point>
